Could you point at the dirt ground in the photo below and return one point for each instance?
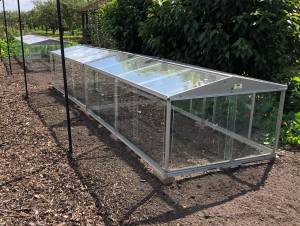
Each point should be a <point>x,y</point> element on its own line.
<point>103,182</point>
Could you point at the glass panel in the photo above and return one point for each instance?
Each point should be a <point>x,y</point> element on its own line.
<point>100,95</point>
<point>208,130</point>
<point>129,65</point>
<point>155,73</point>
<point>87,54</point>
<point>111,60</point>
<point>141,119</point>
<point>182,81</point>
<point>69,49</point>
<point>58,78</point>
<point>70,77</point>
<point>193,142</point>
<point>265,117</point>
<point>78,82</point>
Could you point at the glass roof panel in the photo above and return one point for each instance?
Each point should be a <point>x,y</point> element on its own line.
<point>112,60</point>
<point>162,78</point>
<point>84,54</point>
<point>153,72</point>
<point>184,81</point>
<point>34,39</point>
<point>69,49</point>
<point>132,64</point>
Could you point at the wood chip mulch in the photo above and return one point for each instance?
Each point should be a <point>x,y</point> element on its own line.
<point>37,185</point>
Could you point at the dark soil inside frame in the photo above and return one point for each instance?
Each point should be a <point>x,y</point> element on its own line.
<point>126,192</point>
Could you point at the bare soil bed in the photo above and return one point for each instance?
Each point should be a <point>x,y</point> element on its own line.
<point>105,183</point>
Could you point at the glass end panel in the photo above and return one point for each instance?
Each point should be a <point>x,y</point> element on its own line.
<point>210,130</point>
<point>265,118</point>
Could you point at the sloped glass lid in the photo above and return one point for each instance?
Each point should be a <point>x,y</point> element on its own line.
<point>34,39</point>
<point>84,54</point>
<point>161,77</point>
<point>68,50</point>
<point>182,81</point>
<point>165,79</point>
<point>117,60</point>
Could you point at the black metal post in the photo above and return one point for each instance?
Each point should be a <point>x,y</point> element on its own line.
<point>22,46</point>
<point>6,32</point>
<point>64,74</point>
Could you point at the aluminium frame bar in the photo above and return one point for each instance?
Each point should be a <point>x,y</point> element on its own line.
<point>253,97</point>
<point>219,165</point>
<point>279,120</point>
<point>168,122</point>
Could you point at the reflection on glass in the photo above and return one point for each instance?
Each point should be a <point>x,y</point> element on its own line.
<point>128,65</point>
<point>110,61</point>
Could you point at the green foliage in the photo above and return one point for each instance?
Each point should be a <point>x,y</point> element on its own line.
<point>100,29</point>
<point>291,121</point>
<point>253,38</point>
<point>121,19</point>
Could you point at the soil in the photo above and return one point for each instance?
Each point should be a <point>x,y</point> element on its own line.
<point>103,182</point>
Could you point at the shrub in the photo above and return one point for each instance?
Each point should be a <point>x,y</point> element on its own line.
<point>253,38</point>
<point>120,19</point>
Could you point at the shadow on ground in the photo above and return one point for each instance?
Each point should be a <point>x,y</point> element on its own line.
<point>123,189</point>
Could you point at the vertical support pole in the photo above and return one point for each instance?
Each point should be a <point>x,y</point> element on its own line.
<point>22,47</point>
<point>251,115</point>
<point>214,110</point>
<point>191,105</point>
<point>64,75</point>
<point>203,108</point>
<point>279,119</point>
<point>167,134</point>
<point>7,41</point>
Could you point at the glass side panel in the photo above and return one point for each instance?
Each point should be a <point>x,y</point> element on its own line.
<point>183,81</point>
<point>141,119</point>
<point>129,65</point>
<point>265,117</point>
<point>100,95</point>
<point>112,60</point>
<point>77,71</point>
<point>70,77</point>
<point>155,73</point>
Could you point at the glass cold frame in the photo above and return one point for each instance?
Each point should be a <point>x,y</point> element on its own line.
<point>131,93</point>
